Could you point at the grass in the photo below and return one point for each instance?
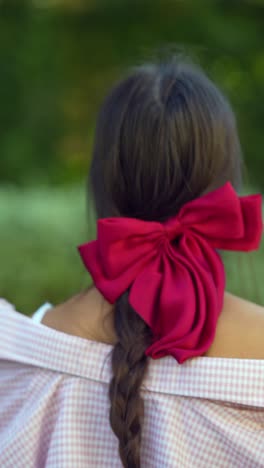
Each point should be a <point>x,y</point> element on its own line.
<point>40,229</point>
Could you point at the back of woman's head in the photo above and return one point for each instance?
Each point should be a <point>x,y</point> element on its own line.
<point>165,135</point>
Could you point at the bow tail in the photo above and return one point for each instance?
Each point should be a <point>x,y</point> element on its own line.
<point>188,286</point>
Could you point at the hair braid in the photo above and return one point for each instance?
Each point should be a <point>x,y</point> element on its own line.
<point>129,364</point>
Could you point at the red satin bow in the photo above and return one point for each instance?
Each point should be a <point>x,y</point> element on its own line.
<point>176,277</point>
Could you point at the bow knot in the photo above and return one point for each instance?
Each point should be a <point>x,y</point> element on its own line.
<point>173,229</point>
<point>176,287</point>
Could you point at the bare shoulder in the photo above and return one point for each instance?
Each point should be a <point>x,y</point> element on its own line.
<point>240,330</point>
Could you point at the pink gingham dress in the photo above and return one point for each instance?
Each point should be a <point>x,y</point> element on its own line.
<point>206,412</point>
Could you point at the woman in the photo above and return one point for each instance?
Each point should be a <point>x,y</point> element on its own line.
<point>165,167</point>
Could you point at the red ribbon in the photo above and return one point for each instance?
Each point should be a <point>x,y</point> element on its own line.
<point>175,276</point>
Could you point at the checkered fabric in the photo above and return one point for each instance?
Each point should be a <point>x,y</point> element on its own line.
<point>206,412</point>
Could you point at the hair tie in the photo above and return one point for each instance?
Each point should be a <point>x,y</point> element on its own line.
<point>175,277</point>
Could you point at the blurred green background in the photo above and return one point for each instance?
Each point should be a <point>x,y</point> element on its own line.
<point>58,59</point>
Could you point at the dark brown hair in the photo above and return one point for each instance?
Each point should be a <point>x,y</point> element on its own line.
<point>165,135</point>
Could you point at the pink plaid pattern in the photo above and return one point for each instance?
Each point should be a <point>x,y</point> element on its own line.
<point>207,412</point>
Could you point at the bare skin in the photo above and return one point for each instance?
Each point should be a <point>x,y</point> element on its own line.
<point>239,333</point>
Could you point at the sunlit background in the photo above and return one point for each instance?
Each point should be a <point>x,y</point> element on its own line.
<point>58,58</point>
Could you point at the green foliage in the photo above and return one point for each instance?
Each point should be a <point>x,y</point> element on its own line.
<point>57,64</point>
<point>40,230</point>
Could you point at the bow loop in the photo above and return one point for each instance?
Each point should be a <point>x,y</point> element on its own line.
<point>174,275</point>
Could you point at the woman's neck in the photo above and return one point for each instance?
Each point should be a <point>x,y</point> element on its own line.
<point>86,314</point>
<point>239,332</point>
